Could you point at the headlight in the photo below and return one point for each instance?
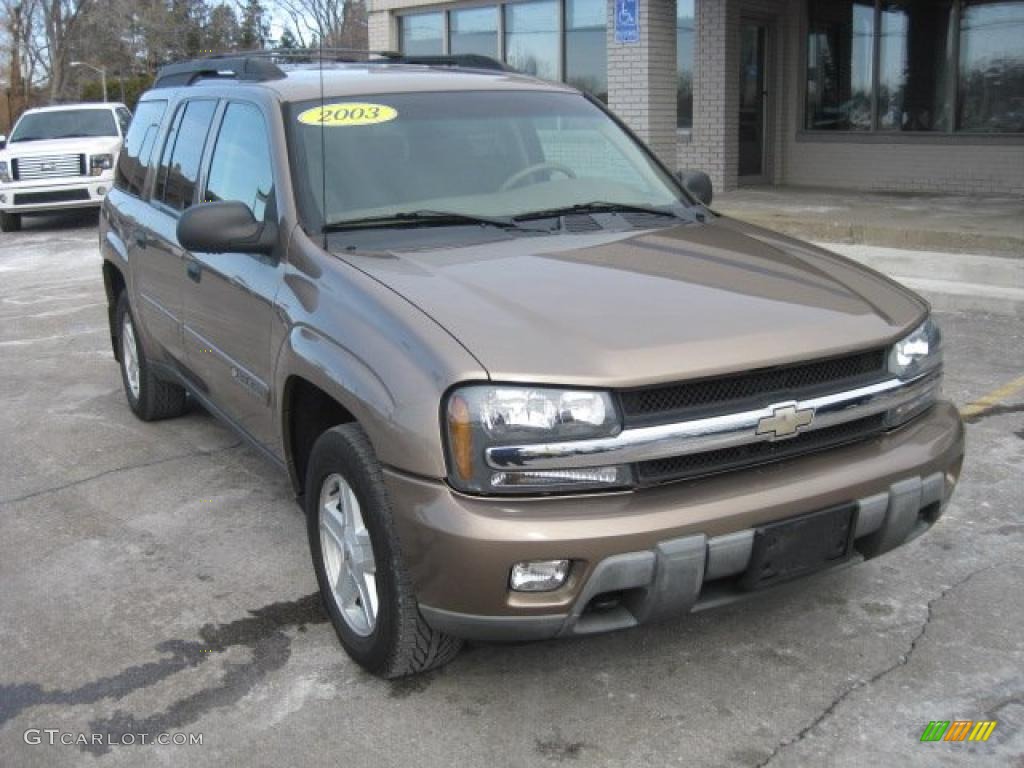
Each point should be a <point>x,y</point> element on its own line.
<point>5,172</point>
<point>482,416</point>
<point>912,357</point>
<point>100,163</point>
<point>918,353</point>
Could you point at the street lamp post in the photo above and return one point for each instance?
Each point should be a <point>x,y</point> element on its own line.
<point>101,70</point>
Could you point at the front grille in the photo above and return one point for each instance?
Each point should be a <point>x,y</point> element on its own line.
<point>752,454</point>
<point>56,196</point>
<point>752,389</point>
<point>48,167</point>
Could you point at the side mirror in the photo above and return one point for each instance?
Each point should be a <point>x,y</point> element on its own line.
<point>3,141</point>
<point>225,227</point>
<point>698,184</point>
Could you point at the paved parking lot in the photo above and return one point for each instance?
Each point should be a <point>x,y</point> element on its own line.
<point>155,578</point>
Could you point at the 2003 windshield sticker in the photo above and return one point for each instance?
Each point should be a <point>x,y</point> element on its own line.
<point>348,114</point>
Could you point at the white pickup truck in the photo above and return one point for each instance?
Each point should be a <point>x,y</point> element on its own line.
<point>60,157</point>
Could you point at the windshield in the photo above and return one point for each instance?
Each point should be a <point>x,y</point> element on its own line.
<point>65,124</point>
<point>472,153</point>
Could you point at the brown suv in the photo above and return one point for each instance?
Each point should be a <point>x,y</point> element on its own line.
<point>525,382</point>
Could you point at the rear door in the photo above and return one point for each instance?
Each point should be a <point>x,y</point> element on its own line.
<point>161,259</point>
<point>230,296</point>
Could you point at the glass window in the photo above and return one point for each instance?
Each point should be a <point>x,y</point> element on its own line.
<point>531,38</point>
<point>473,30</point>
<point>421,34</point>
<point>684,64</point>
<point>179,163</point>
<point>124,119</point>
<point>991,87</point>
<point>586,58</point>
<point>64,124</point>
<point>241,169</point>
<point>474,152</point>
<point>914,69</point>
<point>133,162</point>
<point>840,43</point>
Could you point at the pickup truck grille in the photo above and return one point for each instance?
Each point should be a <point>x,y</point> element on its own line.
<point>670,403</point>
<point>727,459</point>
<point>48,167</point>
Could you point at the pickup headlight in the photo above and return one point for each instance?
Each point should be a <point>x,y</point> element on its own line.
<point>5,172</point>
<point>482,416</point>
<point>913,357</point>
<point>100,163</point>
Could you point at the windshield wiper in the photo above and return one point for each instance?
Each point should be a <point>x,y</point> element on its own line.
<point>596,206</point>
<point>422,218</point>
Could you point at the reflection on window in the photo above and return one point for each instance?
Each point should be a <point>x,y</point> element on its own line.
<point>240,168</point>
<point>936,59</point>
<point>684,64</point>
<point>422,34</point>
<point>839,55</point>
<point>133,162</point>
<point>531,38</point>
<point>586,60</point>
<point>473,30</point>
<point>991,92</point>
<point>179,167</point>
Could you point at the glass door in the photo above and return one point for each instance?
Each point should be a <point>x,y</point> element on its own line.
<point>753,97</point>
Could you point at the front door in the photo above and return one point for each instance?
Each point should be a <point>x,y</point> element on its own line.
<point>229,301</point>
<point>753,101</point>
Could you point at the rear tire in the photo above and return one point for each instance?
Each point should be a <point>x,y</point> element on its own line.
<point>149,398</point>
<point>348,516</point>
<point>10,222</point>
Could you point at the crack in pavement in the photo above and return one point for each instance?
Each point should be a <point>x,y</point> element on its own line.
<point>115,470</point>
<point>901,661</point>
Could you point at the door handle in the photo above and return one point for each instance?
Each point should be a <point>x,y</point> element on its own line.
<point>194,271</point>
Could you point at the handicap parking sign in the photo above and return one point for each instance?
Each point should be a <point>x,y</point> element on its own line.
<point>627,21</point>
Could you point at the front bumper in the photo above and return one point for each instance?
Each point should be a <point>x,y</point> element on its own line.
<point>663,551</point>
<point>55,194</point>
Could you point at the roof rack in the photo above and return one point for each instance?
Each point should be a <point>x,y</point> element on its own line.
<point>262,65</point>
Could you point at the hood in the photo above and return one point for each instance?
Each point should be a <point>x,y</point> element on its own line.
<point>619,310</point>
<point>91,145</point>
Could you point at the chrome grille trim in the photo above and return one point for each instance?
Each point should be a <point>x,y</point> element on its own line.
<point>700,435</point>
<point>48,167</point>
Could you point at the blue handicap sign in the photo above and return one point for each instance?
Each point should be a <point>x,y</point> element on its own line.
<point>627,21</point>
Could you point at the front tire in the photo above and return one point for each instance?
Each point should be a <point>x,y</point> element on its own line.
<point>10,222</point>
<point>149,398</point>
<point>365,588</point>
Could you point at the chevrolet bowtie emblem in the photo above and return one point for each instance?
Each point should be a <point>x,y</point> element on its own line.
<point>786,420</point>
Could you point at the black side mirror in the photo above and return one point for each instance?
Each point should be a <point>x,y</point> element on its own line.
<point>698,184</point>
<point>225,227</point>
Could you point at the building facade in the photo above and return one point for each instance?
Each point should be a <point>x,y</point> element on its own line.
<point>896,95</point>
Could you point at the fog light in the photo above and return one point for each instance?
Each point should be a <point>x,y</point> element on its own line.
<point>3,198</point>
<point>539,575</point>
<point>101,191</point>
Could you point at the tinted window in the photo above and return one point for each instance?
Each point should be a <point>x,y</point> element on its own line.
<point>586,62</point>
<point>531,38</point>
<point>240,169</point>
<point>840,42</point>
<point>124,117</point>
<point>421,34</point>
<point>138,147</point>
<point>179,164</point>
<point>473,30</point>
<point>992,67</point>
<point>65,123</point>
<point>684,64</point>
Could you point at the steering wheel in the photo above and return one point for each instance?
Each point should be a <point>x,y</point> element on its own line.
<point>512,181</point>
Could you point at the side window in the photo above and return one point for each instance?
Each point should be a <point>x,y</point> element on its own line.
<point>179,163</point>
<point>241,169</point>
<point>124,119</point>
<point>138,147</point>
